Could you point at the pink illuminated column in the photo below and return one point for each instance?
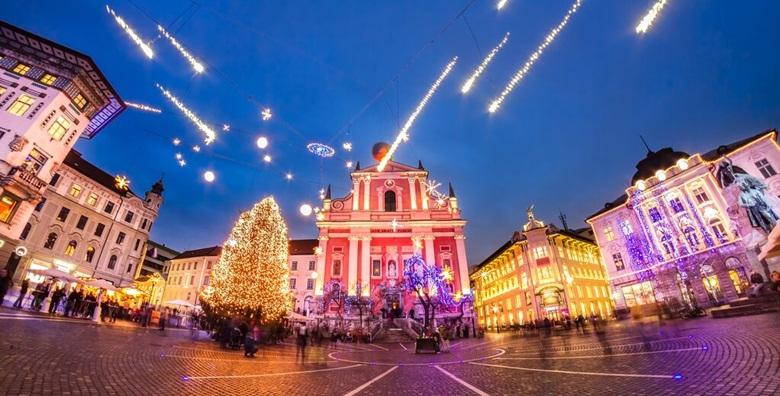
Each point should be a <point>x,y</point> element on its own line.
<point>463,264</point>
<point>365,265</point>
<point>413,192</point>
<point>321,266</point>
<point>352,265</point>
<point>430,256</point>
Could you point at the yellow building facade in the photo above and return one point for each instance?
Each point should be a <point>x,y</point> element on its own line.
<point>542,272</point>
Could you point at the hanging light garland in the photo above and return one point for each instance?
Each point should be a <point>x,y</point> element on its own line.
<point>143,107</point>
<point>482,66</point>
<point>321,150</point>
<point>202,126</point>
<point>197,66</point>
<point>520,74</point>
<point>647,21</point>
<point>147,50</point>
<point>403,135</point>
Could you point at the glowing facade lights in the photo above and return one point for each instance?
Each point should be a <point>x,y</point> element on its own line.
<point>147,50</point>
<point>197,66</point>
<point>202,126</point>
<point>640,185</point>
<point>501,4</point>
<point>347,146</point>
<point>262,142</point>
<point>682,163</point>
<point>209,176</point>
<point>523,71</point>
<point>143,107</point>
<point>647,21</point>
<point>661,175</point>
<point>306,210</point>
<point>321,150</point>
<point>266,114</point>
<point>403,134</point>
<point>482,66</point>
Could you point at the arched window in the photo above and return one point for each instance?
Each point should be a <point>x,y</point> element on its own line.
<point>389,201</point>
<point>90,254</point>
<point>690,235</point>
<point>50,241</point>
<point>25,231</point>
<point>718,229</point>
<point>71,248</point>
<point>112,262</point>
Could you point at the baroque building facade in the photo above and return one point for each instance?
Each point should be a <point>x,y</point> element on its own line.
<point>50,96</point>
<point>542,272</point>
<point>688,229</point>
<point>366,236</point>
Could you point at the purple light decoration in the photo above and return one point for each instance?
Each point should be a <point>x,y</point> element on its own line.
<point>642,252</point>
<point>677,377</point>
<point>702,228</point>
<point>420,275</point>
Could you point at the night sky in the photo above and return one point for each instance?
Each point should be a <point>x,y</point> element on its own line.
<point>566,139</point>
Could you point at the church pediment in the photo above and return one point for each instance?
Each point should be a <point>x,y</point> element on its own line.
<point>391,167</point>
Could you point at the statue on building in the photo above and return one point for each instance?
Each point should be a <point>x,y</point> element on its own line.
<point>752,195</point>
<point>532,222</point>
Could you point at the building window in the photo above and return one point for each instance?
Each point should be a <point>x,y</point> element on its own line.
<point>129,217</point>
<point>138,243</point>
<point>130,268</point>
<point>75,191</point>
<point>8,205</point>
<point>21,105</point>
<point>99,229</point>
<point>90,254</point>
<point>292,283</point>
<point>336,268</point>
<point>50,241</point>
<point>676,205</point>
<point>35,161</point>
<point>112,262</point>
<point>312,265</point>
<point>540,252</point>
<point>79,101</point>
<point>58,129</point>
<point>195,266</point>
<point>82,222</point>
<point>71,248</point>
<point>208,265</point>
<point>700,195</point>
<point>294,266</point>
<point>389,201</point>
<point>718,229</point>
<point>376,268</point>
<point>655,215</point>
<point>25,231</point>
<point>143,224</point>
<point>206,280</point>
<point>21,69</point>
<point>40,204</point>
<point>92,199</point>
<point>109,207</point>
<point>2,90</point>
<point>54,179</point>
<point>48,79</point>
<point>609,234</point>
<point>120,238</point>
<point>765,168</point>
<point>309,284</point>
<point>63,215</point>
<point>638,294</point>
<point>618,260</point>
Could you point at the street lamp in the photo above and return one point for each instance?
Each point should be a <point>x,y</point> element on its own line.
<point>313,275</point>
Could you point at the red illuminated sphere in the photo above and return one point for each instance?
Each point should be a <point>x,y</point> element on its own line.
<point>380,150</point>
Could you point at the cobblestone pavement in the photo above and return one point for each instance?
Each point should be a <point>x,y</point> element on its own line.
<point>739,356</point>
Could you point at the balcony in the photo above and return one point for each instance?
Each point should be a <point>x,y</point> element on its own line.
<point>25,180</point>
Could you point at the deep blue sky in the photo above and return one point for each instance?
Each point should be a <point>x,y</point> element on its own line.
<point>566,139</point>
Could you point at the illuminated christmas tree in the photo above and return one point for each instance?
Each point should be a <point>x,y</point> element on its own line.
<point>250,278</point>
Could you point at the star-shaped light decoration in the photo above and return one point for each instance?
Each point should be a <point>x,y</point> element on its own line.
<point>395,224</point>
<point>431,189</point>
<point>266,114</point>
<point>226,127</point>
<point>121,183</point>
<point>347,146</point>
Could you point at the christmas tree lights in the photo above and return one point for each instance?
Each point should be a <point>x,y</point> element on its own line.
<point>202,126</point>
<point>147,50</point>
<point>647,21</point>
<point>523,71</point>
<point>466,87</point>
<point>403,135</point>
<point>250,278</point>
<point>429,282</point>
<point>194,62</point>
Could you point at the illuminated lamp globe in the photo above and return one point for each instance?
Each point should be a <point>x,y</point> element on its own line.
<point>313,275</point>
<point>661,175</point>
<point>306,210</point>
<point>710,213</point>
<point>262,142</point>
<point>380,150</point>
<point>209,176</point>
<point>640,185</point>
<point>682,163</point>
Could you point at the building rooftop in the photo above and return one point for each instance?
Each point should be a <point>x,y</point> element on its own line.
<point>212,251</point>
<point>90,170</point>
<point>302,246</point>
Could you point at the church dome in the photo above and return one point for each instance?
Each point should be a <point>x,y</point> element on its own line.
<point>655,161</point>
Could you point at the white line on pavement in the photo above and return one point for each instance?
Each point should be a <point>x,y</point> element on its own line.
<point>601,356</point>
<point>378,346</point>
<point>455,344</point>
<point>270,374</point>
<point>367,384</point>
<point>604,347</point>
<point>247,360</point>
<point>575,372</point>
<point>462,382</point>
<point>402,346</point>
<point>500,352</point>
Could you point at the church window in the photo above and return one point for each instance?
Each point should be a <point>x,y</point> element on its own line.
<point>336,268</point>
<point>390,201</point>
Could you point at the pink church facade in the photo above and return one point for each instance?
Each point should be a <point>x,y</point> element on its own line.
<point>365,237</point>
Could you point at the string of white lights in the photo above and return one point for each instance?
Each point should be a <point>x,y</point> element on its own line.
<point>146,48</point>
<point>403,134</point>
<point>482,66</point>
<point>647,21</point>
<point>199,68</point>
<point>520,74</point>
<point>143,107</point>
<point>202,126</point>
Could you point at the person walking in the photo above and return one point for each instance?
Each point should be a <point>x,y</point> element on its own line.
<point>302,334</point>
<point>6,282</point>
<point>55,300</point>
<point>163,318</point>
<point>22,294</point>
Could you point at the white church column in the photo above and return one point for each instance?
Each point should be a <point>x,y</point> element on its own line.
<point>463,264</point>
<point>355,194</point>
<point>367,196</point>
<point>424,195</point>
<point>413,192</point>
<point>352,265</point>
<point>365,269</point>
<point>320,281</point>
<point>430,257</point>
